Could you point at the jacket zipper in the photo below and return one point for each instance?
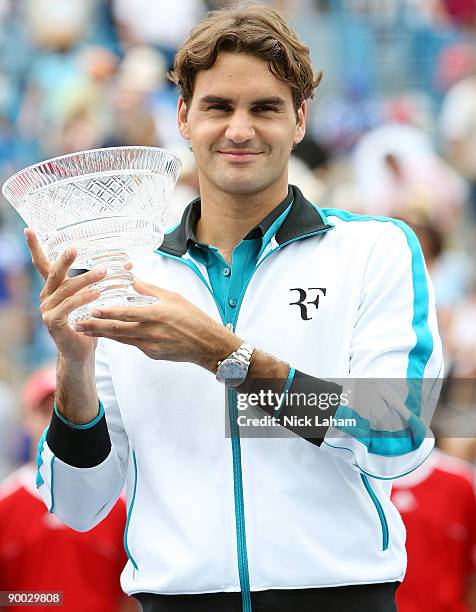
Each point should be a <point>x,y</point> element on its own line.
<point>243,570</point>
<point>236,455</point>
<point>239,503</point>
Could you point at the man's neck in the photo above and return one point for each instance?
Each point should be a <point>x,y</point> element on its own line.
<point>227,218</point>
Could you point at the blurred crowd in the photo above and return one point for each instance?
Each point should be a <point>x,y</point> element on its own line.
<point>392,131</point>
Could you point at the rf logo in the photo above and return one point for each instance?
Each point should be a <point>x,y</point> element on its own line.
<point>303,302</point>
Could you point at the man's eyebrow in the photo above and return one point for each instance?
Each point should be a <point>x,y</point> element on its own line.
<point>215,100</point>
<point>273,100</point>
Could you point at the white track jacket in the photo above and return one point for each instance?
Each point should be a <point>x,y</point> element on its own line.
<point>210,512</point>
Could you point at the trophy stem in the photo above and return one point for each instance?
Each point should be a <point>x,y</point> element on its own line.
<point>118,280</point>
<point>116,287</point>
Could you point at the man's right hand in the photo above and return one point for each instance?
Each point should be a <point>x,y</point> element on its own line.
<point>60,296</point>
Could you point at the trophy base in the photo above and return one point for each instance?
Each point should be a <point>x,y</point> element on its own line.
<point>124,300</point>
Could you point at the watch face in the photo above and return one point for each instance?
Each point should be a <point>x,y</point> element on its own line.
<point>232,371</point>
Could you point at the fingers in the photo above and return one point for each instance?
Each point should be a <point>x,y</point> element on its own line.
<point>70,286</point>
<point>58,317</point>
<point>58,272</point>
<point>38,258</point>
<point>111,329</point>
<point>142,314</point>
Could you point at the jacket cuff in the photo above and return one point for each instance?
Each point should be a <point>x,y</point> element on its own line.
<point>308,388</point>
<point>81,446</point>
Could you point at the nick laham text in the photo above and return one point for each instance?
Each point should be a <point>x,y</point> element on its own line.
<point>294,421</point>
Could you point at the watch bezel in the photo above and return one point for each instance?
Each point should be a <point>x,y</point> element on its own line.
<point>232,382</point>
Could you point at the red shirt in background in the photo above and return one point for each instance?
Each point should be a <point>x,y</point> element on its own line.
<point>438,506</point>
<point>39,553</point>
<point>461,12</point>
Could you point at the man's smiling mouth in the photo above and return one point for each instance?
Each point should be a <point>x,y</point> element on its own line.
<point>240,155</point>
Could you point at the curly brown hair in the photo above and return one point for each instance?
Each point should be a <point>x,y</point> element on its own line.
<point>254,29</point>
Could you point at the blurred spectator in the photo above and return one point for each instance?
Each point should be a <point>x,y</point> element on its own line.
<point>156,23</point>
<point>187,188</point>
<point>58,25</point>
<point>430,238</point>
<point>7,428</point>
<point>86,117</point>
<point>396,169</point>
<point>458,13</point>
<point>76,113</point>
<point>315,155</point>
<point>451,270</point>
<point>461,13</point>
<point>422,8</point>
<point>15,318</point>
<point>341,119</point>
<point>455,63</point>
<point>300,174</point>
<point>38,552</point>
<point>438,506</point>
<point>458,127</point>
<point>461,338</point>
<point>414,108</point>
<point>144,107</point>
<point>13,262</point>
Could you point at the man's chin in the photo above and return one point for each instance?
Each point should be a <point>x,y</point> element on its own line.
<point>243,187</point>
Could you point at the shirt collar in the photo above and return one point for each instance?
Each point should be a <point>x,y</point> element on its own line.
<point>303,219</point>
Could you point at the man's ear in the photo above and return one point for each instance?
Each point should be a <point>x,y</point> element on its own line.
<point>301,123</point>
<point>182,123</point>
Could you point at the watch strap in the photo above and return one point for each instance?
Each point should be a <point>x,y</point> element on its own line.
<point>244,353</point>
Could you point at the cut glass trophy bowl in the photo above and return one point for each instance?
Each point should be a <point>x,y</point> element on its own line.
<point>109,204</point>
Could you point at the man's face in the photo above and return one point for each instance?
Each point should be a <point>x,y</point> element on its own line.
<point>242,124</point>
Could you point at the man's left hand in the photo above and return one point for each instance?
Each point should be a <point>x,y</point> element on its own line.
<point>173,330</point>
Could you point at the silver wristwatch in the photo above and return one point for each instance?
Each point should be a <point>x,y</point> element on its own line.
<point>232,371</point>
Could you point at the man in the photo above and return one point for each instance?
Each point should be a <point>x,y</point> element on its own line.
<point>38,552</point>
<point>257,285</point>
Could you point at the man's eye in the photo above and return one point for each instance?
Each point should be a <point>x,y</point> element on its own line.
<point>219,107</point>
<point>264,108</point>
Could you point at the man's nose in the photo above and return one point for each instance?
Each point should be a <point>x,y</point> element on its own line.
<point>240,128</point>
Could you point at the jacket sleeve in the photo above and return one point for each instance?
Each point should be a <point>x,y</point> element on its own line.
<point>396,365</point>
<point>82,468</point>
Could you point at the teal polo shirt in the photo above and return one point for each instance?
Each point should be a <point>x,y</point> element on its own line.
<point>228,282</point>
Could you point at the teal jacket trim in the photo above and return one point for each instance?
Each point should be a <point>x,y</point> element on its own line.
<point>129,513</point>
<point>288,384</point>
<point>409,439</point>
<point>52,462</point>
<point>76,425</point>
<point>39,459</point>
<point>380,511</point>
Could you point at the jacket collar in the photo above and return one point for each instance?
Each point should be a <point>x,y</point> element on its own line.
<point>303,219</point>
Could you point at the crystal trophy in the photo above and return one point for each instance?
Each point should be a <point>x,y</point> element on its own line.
<point>109,204</point>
